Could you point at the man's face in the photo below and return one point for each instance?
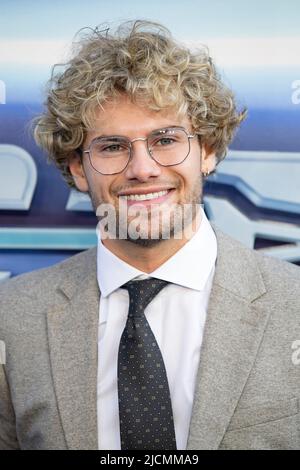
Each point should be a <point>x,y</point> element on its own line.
<point>143,174</point>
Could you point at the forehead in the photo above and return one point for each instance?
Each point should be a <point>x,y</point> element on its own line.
<point>123,117</point>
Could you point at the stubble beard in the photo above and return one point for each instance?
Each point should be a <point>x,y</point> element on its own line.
<point>188,208</point>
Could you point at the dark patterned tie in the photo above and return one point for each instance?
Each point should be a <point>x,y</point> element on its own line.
<point>145,408</point>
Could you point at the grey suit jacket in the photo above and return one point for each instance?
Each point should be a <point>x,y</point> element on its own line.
<point>248,386</point>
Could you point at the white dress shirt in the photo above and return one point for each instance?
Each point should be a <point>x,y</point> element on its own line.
<point>176,316</point>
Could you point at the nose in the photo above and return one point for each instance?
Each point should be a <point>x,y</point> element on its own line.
<point>141,166</point>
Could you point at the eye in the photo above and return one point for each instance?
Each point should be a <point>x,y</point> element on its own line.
<point>112,148</point>
<point>109,147</point>
<point>166,138</point>
<point>166,141</point>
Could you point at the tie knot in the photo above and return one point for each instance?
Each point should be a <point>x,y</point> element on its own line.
<point>142,292</point>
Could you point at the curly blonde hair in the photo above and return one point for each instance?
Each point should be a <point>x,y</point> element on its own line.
<point>142,60</point>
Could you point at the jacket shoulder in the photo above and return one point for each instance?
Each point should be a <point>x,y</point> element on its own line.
<point>278,273</point>
<point>282,296</point>
<point>246,269</point>
<point>40,283</point>
<point>272,268</point>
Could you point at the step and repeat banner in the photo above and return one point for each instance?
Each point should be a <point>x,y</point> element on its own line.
<point>254,195</point>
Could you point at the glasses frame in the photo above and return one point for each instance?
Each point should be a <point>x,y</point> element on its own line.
<point>145,139</point>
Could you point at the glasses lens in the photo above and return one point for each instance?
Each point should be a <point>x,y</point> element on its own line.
<point>109,155</point>
<point>169,146</point>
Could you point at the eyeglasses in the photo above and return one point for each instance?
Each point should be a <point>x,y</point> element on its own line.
<point>168,147</point>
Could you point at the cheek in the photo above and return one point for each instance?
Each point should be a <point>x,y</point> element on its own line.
<point>195,161</point>
<point>101,186</point>
<point>190,169</point>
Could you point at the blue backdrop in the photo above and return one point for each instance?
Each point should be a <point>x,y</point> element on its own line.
<point>255,195</point>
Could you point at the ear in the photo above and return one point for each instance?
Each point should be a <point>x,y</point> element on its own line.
<point>77,170</point>
<point>208,160</point>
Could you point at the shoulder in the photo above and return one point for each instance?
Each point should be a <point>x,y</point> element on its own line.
<point>277,271</point>
<point>50,277</point>
<point>274,270</point>
<point>282,282</point>
<point>253,274</point>
<point>37,289</point>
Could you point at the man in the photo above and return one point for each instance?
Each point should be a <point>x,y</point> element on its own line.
<point>174,336</point>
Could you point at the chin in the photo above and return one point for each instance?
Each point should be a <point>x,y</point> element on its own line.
<point>145,242</point>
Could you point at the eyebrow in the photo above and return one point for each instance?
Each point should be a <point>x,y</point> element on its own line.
<point>127,138</point>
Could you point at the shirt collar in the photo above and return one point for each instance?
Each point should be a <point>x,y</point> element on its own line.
<point>189,267</point>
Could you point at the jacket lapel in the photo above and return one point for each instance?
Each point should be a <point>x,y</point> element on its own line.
<point>233,330</point>
<point>72,335</point>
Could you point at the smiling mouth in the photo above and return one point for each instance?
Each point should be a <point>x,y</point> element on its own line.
<point>145,197</point>
<point>153,195</point>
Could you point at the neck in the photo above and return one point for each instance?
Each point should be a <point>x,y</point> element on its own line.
<point>149,258</point>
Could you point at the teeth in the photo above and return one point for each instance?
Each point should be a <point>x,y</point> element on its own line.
<point>144,197</point>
